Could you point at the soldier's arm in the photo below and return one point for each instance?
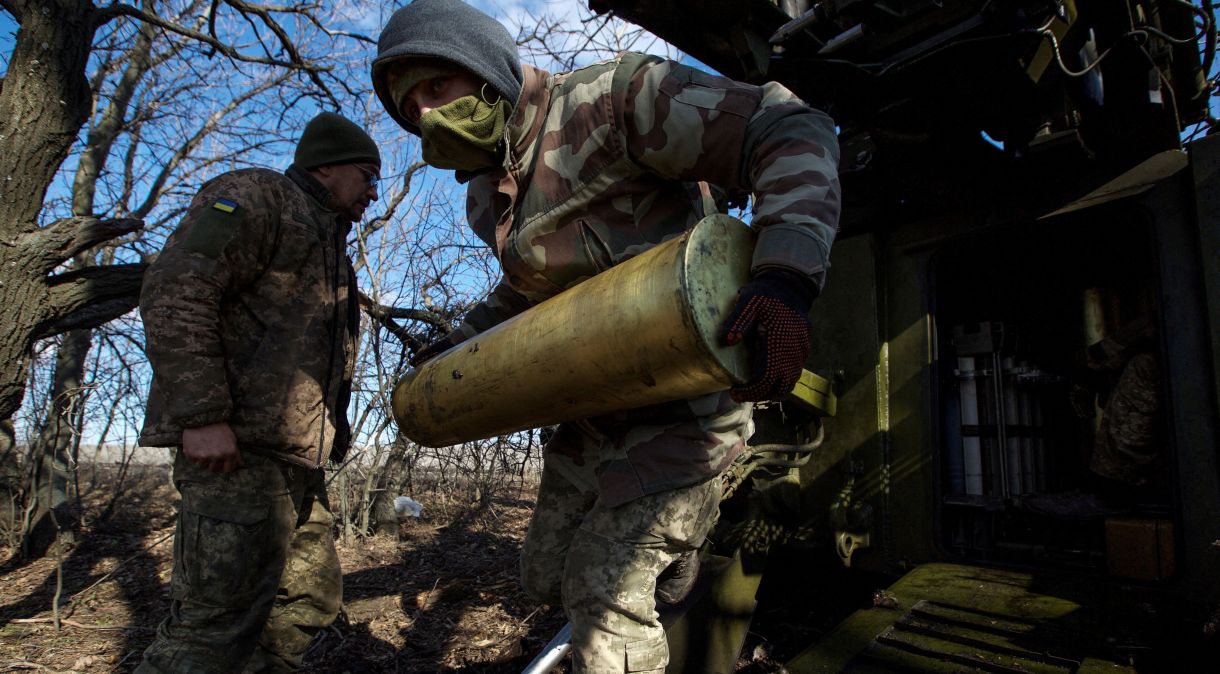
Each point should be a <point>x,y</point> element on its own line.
<point>219,246</point>
<point>688,125</point>
<point>500,305</point>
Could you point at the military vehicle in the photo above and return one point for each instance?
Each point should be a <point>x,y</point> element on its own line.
<point>1027,279</point>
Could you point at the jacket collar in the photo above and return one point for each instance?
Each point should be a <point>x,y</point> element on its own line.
<point>318,192</point>
<point>529,113</point>
<point>310,185</point>
<point>521,131</point>
<point>524,123</point>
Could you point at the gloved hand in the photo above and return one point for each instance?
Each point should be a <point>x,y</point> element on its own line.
<point>435,349</point>
<point>771,314</point>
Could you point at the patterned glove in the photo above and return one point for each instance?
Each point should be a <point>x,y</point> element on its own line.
<point>771,315</point>
<point>435,349</point>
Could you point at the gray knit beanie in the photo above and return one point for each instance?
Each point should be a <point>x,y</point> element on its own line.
<point>333,139</point>
<point>453,31</point>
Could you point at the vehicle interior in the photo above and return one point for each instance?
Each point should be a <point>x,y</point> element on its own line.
<point>1018,332</point>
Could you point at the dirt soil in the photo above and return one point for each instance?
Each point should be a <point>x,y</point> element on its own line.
<point>442,597</point>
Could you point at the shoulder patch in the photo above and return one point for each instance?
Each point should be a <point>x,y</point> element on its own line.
<point>213,228</point>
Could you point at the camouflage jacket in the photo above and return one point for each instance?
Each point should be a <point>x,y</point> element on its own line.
<point>607,161</point>
<point>250,317</point>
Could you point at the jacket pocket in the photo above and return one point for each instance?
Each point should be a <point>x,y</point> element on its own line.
<point>596,249</point>
<point>647,655</point>
<point>696,88</point>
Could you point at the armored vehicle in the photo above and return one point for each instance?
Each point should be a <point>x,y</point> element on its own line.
<point>1006,456</point>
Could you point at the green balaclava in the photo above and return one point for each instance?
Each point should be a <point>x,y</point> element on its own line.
<point>465,134</point>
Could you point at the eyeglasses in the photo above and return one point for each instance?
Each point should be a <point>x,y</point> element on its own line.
<point>370,177</point>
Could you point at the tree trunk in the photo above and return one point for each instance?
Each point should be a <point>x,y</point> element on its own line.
<point>56,449</point>
<point>10,478</point>
<point>44,102</point>
<point>61,426</point>
<point>389,487</point>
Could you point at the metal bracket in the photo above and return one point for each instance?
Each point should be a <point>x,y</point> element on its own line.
<point>847,542</point>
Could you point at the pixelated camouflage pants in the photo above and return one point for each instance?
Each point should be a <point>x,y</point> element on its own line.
<point>255,572</point>
<point>601,562</point>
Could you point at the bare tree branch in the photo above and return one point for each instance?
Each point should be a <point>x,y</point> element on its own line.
<point>384,316</point>
<point>391,208</point>
<point>104,131</point>
<point>212,24</point>
<point>114,10</point>
<point>156,189</point>
<point>63,239</point>
<point>12,8</point>
<point>89,297</point>
<point>342,33</point>
<point>285,41</point>
<point>372,308</point>
<point>413,343</point>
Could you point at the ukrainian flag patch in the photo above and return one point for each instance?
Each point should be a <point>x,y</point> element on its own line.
<point>225,205</point>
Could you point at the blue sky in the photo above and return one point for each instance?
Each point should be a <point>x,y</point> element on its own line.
<point>8,33</point>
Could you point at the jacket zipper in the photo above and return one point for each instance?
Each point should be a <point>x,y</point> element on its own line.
<point>330,359</point>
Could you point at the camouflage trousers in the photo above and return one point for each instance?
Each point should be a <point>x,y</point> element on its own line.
<point>255,574</point>
<point>1127,442</point>
<point>601,560</point>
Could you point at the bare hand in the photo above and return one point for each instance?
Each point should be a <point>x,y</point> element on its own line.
<point>212,448</point>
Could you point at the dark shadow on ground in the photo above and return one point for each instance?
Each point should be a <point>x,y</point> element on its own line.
<point>436,596</point>
<point>124,529</point>
<point>444,598</point>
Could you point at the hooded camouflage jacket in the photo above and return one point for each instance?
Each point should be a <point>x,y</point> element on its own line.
<point>250,318</point>
<point>604,163</point>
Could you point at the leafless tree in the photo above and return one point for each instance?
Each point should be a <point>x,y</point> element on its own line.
<point>420,269</point>
<point>172,92</point>
<point>169,91</point>
<point>566,41</point>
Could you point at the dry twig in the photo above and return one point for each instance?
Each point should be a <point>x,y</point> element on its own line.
<point>22,664</point>
<point>84,626</point>
<point>99,581</point>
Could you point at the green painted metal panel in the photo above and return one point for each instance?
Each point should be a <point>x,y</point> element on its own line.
<point>954,618</point>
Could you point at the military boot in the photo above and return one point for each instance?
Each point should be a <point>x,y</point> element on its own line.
<point>676,581</point>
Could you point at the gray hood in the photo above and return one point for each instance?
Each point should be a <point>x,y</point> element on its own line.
<point>453,31</point>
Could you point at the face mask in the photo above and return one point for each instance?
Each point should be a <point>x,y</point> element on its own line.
<point>464,134</point>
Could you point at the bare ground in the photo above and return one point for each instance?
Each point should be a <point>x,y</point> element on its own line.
<point>444,598</point>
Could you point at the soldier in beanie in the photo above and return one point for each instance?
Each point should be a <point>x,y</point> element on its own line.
<point>251,318</point>
<point>570,174</point>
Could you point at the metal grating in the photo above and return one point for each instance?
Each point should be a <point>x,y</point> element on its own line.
<point>937,637</point>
